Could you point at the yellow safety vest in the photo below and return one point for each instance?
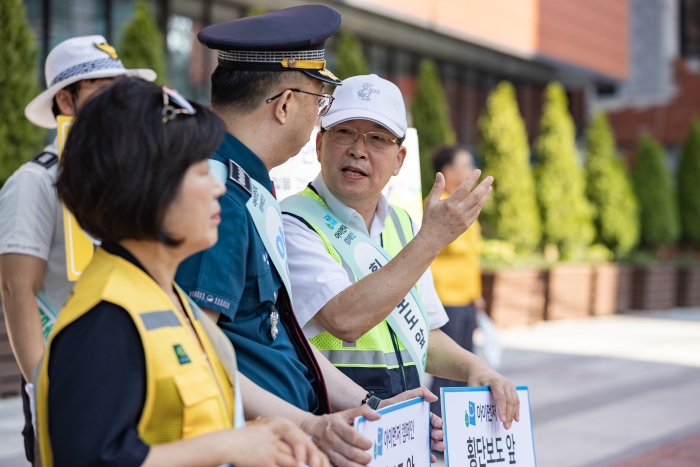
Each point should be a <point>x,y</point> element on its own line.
<point>378,361</point>
<point>185,395</point>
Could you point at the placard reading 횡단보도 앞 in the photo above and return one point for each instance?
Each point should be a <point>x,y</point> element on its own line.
<point>401,438</point>
<point>475,436</point>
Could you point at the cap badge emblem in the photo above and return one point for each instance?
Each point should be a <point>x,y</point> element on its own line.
<point>366,92</point>
<point>108,49</point>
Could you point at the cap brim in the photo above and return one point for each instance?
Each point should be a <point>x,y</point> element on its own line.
<point>323,75</point>
<point>40,110</point>
<point>341,116</point>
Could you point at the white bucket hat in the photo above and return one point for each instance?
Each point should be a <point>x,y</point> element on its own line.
<point>76,59</point>
<point>368,97</point>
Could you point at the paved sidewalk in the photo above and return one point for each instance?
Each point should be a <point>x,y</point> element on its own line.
<point>605,390</point>
<point>684,453</point>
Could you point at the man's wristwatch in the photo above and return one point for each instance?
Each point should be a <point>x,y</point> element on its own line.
<point>371,400</point>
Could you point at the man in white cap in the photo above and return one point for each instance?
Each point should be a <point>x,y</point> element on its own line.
<point>359,267</point>
<point>32,244</point>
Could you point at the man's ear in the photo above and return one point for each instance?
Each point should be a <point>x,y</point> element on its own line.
<point>400,157</point>
<point>64,101</point>
<point>281,108</point>
<point>319,143</point>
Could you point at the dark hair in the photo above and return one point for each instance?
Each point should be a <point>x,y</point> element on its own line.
<point>245,91</point>
<point>73,89</point>
<point>122,166</point>
<point>445,155</point>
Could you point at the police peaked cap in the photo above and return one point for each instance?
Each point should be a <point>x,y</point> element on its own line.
<point>291,39</point>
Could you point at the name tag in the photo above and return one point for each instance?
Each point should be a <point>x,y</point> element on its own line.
<point>474,434</point>
<point>401,436</point>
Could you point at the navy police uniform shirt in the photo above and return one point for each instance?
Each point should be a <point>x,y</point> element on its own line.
<point>237,279</point>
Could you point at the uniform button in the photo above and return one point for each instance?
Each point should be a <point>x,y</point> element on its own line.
<point>274,296</point>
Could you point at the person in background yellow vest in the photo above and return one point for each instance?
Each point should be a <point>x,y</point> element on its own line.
<point>134,374</point>
<point>456,270</point>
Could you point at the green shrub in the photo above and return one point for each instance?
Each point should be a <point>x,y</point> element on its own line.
<point>511,212</point>
<point>610,191</point>
<point>350,60</point>
<point>431,118</point>
<point>658,215</point>
<point>19,139</point>
<point>566,213</point>
<point>142,44</point>
<point>689,187</point>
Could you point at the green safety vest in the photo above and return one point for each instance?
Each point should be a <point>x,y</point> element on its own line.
<point>378,361</point>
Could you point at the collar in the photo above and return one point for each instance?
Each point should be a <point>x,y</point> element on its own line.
<point>347,214</point>
<point>232,148</point>
<point>118,250</point>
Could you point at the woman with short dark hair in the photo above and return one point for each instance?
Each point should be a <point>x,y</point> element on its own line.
<point>134,373</point>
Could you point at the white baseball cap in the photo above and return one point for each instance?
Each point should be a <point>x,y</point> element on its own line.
<point>86,57</point>
<point>368,97</point>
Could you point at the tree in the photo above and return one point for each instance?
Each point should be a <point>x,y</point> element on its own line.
<point>350,60</point>
<point>19,139</point>
<point>142,43</point>
<point>566,213</point>
<point>431,119</point>
<point>511,212</point>
<point>658,215</point>
<point>689,187</point>
<point>615,214</point>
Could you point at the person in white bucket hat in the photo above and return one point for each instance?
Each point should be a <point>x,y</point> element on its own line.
<point>359,267</point>
<point>32,249</point>
<point>79,59</point>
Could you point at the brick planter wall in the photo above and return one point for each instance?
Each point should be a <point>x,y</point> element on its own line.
<point>569,288</point>
<point>514,297</point>
<point>611,289</point>
<point>688,286</point>
<point>655,287</point>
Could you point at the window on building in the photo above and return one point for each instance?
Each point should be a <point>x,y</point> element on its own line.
<point>690,28</point>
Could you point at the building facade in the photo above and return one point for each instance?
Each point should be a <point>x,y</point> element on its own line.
<point>476,43</point>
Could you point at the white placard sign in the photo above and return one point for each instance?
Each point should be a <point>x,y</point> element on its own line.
<point>404,190</point>
<point>401,438</point>
<point>474,435</point>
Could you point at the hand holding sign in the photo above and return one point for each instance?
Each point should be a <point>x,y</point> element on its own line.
<point>504,392</point>
<point>444,221</point>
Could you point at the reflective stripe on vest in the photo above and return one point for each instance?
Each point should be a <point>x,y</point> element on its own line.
<point>375,348</point>
<point>187,394</point>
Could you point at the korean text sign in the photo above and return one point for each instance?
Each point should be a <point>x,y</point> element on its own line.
<point>401,438</point>
<point>475,436</point>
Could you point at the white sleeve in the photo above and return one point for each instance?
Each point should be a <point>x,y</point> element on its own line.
<point>437,317</point>
<point>28,212</point>
<point>315,276</point>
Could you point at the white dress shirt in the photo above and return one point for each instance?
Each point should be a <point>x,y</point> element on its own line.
<point>32,224</point>
<point>316,277</point>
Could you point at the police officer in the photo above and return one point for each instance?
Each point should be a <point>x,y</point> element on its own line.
<point>360,268</point>
<point>268,89</point>
<point>32,247</point>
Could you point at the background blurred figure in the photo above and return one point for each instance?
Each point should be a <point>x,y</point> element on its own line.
<point>456,269</point>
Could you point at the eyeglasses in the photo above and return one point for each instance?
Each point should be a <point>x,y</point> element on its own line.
<point>377,141</point>
<point>169,111</point>
<point>324,100</point>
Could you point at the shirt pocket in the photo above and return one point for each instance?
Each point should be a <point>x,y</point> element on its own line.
<point>267,287</point>
<point>201,401</point>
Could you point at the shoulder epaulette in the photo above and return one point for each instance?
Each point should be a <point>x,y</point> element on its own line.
<point>239,176</point>
<point>45,159</point>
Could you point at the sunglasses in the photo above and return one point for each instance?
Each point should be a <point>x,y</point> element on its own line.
<point>170,97</point>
